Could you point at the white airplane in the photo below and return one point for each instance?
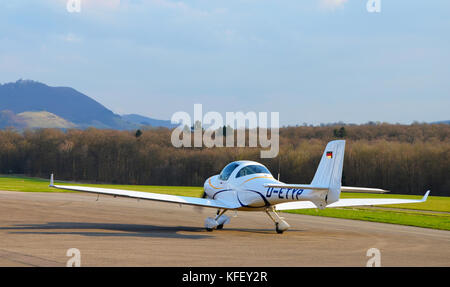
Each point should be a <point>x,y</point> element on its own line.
<point>249,186</point>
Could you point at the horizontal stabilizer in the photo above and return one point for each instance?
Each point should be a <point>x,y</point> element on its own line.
<point>344,202</point>
<point>362,189</point>
<point>343,188</point>
<point>301,186</point>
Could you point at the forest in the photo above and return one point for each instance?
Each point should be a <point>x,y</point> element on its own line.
<point>405,159</point>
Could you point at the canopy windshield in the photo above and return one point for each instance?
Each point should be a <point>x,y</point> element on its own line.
<point>227,170</point>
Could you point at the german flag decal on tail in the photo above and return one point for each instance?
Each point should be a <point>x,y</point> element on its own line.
<point>329,154</point>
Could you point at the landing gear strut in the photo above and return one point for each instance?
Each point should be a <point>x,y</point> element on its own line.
<point>220,226</point>
<point>280,224</point>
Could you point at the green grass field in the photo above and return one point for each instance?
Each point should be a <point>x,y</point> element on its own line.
<point>30,184</point>
<point>434,213</point>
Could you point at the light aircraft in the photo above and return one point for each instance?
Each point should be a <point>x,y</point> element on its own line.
<point>249,186</point>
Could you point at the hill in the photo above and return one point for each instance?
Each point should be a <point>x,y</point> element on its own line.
<point>64,102</point>
<point>44,120</point>
<point>9,119</point>
<point>146,121</point>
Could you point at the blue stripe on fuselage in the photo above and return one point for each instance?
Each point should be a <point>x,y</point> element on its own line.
<point>220,191</point>
<point>266,203</point>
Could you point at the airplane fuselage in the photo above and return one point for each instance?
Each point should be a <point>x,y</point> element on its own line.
<point>250,191</point>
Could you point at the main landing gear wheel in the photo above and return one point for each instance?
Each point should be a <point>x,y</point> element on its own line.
<point>220,226</point>
<point>279,231</point>
<point>280,225</point>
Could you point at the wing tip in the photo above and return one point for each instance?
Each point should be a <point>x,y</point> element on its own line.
<point>52,184</point>
<point>424,198</point>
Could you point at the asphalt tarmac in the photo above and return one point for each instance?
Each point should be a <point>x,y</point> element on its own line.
<point>37,229</point>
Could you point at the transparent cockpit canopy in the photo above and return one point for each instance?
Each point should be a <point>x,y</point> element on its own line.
<point>252,169</point>
<point>227,170</point>
<point>247,169</point>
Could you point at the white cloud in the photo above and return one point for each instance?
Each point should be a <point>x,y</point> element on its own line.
<point>108,4</point>
<point>71,38</point>
<point>169,4</point>
<point>332,4</point>
<point>90,4</point>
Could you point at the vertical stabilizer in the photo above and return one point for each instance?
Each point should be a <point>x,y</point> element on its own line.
<point>329,172</point>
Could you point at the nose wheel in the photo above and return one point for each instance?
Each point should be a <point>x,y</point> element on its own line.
<point>218,222</point>
<point>280,224</point>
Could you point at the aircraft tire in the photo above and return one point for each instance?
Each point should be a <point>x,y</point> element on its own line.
<point>279,231</point>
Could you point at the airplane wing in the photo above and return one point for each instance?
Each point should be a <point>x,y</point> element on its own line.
<point>343,202</point>
<point>196,201</point>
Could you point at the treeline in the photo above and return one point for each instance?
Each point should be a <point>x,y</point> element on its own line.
<point>405,159</point>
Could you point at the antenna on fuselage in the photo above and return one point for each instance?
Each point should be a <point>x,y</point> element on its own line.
<point>279,166</point>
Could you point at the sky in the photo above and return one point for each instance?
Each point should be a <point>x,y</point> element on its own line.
<point>313,61</point>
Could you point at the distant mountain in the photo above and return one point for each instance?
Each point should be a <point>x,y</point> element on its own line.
<point>146,121</point>
<point>10,119</point>
<point>65,107</point>
<point>442,122</point>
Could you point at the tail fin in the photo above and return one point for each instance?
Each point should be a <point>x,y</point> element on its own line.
<point>329,172</point>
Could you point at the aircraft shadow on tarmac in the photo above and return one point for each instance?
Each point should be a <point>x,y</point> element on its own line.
<point>127,230</point>
<point>111,230</point>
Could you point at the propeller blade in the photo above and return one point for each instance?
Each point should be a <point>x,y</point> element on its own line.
<point>199,209</point>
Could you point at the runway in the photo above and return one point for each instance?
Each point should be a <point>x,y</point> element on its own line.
<point>37,229</point>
